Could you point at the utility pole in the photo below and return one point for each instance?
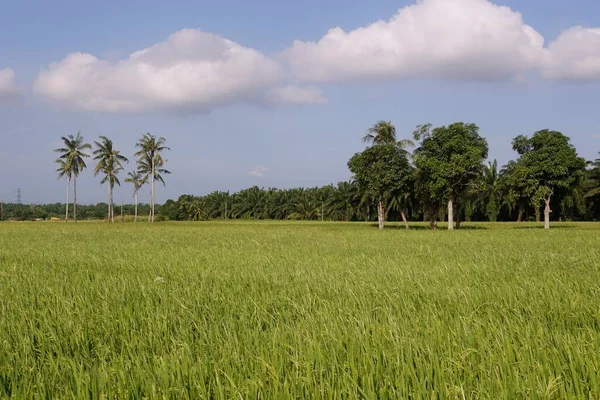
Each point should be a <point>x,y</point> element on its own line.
<point>19,203</point>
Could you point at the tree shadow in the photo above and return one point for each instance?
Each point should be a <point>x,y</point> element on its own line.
<point>552,226</point>
<point>443,227</point>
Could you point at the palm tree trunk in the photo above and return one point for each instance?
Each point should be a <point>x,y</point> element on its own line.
<point>153,176</point>
<point>108,217</point>
<point>136,202</point>
<point>403,213</point>
<point>75,198</point>
<point>67,205</point>
<point>112,207</point>
<point>450,214</point>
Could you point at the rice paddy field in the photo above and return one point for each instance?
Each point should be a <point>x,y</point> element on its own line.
<point>273,310</point>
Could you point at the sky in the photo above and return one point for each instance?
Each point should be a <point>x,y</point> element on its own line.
<point>279,93</point>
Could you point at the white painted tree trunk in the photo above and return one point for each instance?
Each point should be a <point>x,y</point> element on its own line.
<point>380,214</point>
<point>450,214</point>
<point>547,212</point>
<point>67,205</point>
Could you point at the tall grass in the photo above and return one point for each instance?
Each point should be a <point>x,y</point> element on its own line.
<point>298,310</point>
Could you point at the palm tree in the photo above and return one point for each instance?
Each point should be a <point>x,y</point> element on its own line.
<point>138,181</point>
<point>64,170</point>
<point>109,163</point>
<point>492,193</point>
<point>385,133</point>
<point>150,163</point>
<point>73,156</point>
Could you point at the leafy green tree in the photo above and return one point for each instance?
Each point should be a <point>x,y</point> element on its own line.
<point>110,164</point>
<point>380,171</point>
<point>73,156</point>
<point>551,163</point>
<point>449,161</point>
<point>593,180</point>
<point>151,164</point>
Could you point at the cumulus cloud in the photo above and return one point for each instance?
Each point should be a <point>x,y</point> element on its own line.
<point>258,172</point>
<point>456,39</point>
<point>297,95</point>
<point>190,71</point>
<point>574,55</point>
<point>8,87</point>
<point>447,39</point>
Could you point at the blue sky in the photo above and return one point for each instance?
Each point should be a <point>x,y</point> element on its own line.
<point>246,96</point>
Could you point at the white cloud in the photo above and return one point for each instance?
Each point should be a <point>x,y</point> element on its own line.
<point>455,39</point>
<point>190,71</point>
<point>574,55</point>
<point>297,95</point>
<point>258,172</point>
<point>8,87</point>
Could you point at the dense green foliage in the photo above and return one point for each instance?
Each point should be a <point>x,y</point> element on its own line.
<point>449,162</point>
<point>550,165</point>
<point>382,172</point>
<point>300,310</point>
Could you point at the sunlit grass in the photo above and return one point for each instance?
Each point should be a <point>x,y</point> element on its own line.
<point>303,310</point>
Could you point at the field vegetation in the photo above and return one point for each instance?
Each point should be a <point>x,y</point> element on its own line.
<point>299,310</point>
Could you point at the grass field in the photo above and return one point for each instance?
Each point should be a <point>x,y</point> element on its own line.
<point>298,310</point>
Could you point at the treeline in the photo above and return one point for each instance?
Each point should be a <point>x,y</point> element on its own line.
<point>446,177</point>
<point>27,212</point>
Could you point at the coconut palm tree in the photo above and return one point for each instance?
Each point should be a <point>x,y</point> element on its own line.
<point>492,193</point>
<point>151,163</point>
<point>73,155</point>
<point>137,180</point>
<point>385,133</point>
<point>64,171</point>
<point>109,163</point>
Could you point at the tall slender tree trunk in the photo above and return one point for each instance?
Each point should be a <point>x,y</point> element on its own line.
<point>450,214</point>
<point>537,213</point>
<point>108,216</point>
<point>520,216</point>
<point>153,176</point>
<point>112,207</point>
<point>547,212</point>
<point>75,198</point>
<point>403,213</point>
<point>136,203</point>
<point>380,214</point>
<point>67,205</point>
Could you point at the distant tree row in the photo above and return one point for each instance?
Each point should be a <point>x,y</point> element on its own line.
<point>150,168</point>
<point>26,212</point>
<point>445,178</point>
